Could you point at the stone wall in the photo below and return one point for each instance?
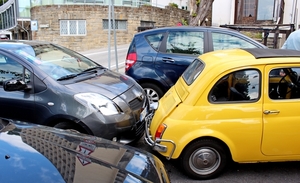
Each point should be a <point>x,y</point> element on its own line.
<point>96,36</point>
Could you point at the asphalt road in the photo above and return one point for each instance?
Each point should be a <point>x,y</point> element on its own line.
<point>101,56</point>
<point>285,172</point>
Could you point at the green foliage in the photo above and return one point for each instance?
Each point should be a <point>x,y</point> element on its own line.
<point>3,2</point>
<point>147,4</point>
<point>198,2</point>
<point>173,5</point>
<point>194,14</point>
<point>184,21</point>
<point>254,35</point>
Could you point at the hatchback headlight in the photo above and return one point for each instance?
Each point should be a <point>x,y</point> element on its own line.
<point>97,102</point>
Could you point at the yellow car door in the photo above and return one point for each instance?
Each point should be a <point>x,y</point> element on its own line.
<point>281,117</point>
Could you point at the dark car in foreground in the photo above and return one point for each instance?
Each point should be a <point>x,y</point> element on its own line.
<point>156,58</point>
<point>51,85</point>
<point>35,153</point>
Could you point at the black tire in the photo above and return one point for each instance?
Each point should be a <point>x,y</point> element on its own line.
<point>204,159</point>
<point>70,126</point>
<point>153,92</point>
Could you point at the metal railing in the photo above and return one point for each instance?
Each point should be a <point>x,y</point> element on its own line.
<point>133,3</point>
<point>8,15</point>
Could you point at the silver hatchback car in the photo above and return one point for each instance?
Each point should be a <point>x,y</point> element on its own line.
<point>54,86</point>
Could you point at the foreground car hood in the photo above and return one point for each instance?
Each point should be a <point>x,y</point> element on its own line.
<point>44,154</point>
<point>108,83</point>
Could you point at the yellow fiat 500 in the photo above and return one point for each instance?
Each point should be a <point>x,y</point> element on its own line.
<point>240,105</point>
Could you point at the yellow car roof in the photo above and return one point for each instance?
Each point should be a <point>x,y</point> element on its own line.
<point>250,56</point>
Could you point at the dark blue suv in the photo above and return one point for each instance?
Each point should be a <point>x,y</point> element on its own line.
<point>156,58</point>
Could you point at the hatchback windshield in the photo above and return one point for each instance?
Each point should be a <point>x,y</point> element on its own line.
<point>56,61</point>
<point>193,71</point>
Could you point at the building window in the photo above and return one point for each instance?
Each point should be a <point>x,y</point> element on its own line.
<point>249,8</point>
<point>24,8</point>
<point>72,27</point>
<point>119,24</point>
<point>265,10</point>
<point>147,23</point>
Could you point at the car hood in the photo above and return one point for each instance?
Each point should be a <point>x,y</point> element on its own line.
<point>43,154</point>
<point>108,83</point>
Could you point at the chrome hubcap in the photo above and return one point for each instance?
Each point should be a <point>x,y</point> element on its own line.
<point>205,161</point>
<point>152,95</point>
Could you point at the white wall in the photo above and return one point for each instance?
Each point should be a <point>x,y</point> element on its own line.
<point>291,12</point>
<point>222,12</point>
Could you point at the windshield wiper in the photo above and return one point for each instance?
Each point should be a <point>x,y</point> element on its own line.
<point>89,70</point>
<point>66,77</point>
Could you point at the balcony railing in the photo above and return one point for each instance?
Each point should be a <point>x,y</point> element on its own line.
<point>134,3</point>
<point>8,16</point>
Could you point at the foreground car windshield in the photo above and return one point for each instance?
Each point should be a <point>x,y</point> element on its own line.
<point>56,61</point>
<point>193,71</point>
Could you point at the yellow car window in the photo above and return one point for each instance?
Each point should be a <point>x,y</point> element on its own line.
<point>242,85</point>
<point>283,83</point>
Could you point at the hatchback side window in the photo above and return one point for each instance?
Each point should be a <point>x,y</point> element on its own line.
<point>10,69</point>
<point>242,85</point>
<point>284,83</point>
<point>155,40</point>
<point>185,42</point>
<point>225,41</point>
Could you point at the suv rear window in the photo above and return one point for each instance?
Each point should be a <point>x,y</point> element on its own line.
<point>193,71</point>
<point>154,40</point>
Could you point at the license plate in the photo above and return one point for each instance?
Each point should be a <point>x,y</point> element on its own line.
<point>143,114</point>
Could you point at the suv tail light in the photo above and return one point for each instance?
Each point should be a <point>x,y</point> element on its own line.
<point>130,61</point>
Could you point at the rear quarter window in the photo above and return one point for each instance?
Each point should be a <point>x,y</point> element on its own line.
<point>154,40</point>
<point>193,71</point>
<point>223,41</point>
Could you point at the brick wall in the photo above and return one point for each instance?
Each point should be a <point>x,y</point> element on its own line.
<point>96,37</point>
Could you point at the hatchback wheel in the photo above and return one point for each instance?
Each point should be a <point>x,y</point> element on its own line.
<point>204,159</point>
<point>153,92</point>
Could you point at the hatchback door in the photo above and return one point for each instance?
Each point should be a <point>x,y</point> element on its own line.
<point>178,50</point>
<point>281,117</point>
<point>18,105</point>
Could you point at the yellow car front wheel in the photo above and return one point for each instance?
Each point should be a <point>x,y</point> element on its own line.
<point>204,159</point>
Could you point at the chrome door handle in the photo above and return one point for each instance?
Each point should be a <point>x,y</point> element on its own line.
<point>168,60</point>
<point>271,112</point>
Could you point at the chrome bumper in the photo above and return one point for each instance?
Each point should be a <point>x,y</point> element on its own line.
<point>156,144</point>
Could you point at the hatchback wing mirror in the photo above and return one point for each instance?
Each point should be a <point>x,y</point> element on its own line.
<point>14,85</point>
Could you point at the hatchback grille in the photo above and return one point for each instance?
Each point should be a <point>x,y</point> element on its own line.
<point>139,128</point>
<point>136,104</point>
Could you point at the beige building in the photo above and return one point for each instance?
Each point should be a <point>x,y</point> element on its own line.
<point>85,27</point>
